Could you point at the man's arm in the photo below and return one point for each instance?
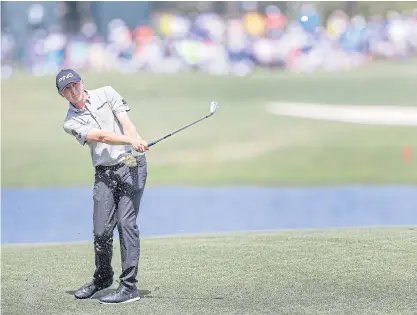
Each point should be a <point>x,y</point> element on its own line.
<point>86,133</point>
<point>120,109</point>
<point>96,135</point>
<point>129,128</point>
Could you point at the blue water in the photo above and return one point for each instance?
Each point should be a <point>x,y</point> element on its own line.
<point>62,215</point>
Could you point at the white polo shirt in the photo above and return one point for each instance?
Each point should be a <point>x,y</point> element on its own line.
<point>102,105</point>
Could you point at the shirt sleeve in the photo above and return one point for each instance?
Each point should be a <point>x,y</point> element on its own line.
<point>78,130</point>
<point>117,103</point>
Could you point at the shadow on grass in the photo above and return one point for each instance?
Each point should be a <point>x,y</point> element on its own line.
<point>184,297</point>
<point>146,294</point>
<point>143,293</point>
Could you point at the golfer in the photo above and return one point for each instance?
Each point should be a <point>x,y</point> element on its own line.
<point>99,119</point>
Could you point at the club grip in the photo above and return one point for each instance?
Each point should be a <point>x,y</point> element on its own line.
<point>151,143</point>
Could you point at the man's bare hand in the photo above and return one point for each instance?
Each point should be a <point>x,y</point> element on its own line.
<point>140,145</point>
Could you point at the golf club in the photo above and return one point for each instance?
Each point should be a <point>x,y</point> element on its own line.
<point>213,107</point>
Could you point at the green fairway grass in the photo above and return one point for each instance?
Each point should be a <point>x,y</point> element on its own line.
<point>241,144</point>
<point>335,271</point>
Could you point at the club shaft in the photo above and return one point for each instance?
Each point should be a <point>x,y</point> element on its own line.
<point>178,130</point>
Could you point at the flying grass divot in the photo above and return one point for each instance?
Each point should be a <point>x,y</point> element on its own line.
<point>130,160</point>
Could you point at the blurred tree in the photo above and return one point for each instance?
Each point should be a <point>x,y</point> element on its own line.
<point>365,8</point>
<point>133,13</point>
<point>186,7</point>
<point>368,8</point>
<point>289,8</point>
<point>28,16</point>
<point>73,15</point>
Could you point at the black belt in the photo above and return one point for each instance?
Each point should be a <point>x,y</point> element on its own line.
<point>103,168</point>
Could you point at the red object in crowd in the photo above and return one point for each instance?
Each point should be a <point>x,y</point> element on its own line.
<point>142,33</point>
<point>292,56</point>
<point>275,20</point>
<point>407,154</point>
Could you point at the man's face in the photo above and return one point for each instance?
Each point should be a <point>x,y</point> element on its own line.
<point>73,92</point>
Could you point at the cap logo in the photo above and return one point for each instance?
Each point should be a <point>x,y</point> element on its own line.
<point>69,75</point>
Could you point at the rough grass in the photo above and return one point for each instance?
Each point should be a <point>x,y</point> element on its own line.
<point>241,144</point>
<point>341,271</point>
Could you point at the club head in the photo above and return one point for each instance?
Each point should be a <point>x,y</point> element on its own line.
<point>213,107</point>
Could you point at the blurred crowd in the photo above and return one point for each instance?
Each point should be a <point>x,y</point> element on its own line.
<point>209,42</point>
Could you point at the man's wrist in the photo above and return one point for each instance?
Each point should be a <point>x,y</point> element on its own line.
<point>130,140</point>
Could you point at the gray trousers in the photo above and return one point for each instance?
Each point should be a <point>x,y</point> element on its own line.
<point>117,194</point>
